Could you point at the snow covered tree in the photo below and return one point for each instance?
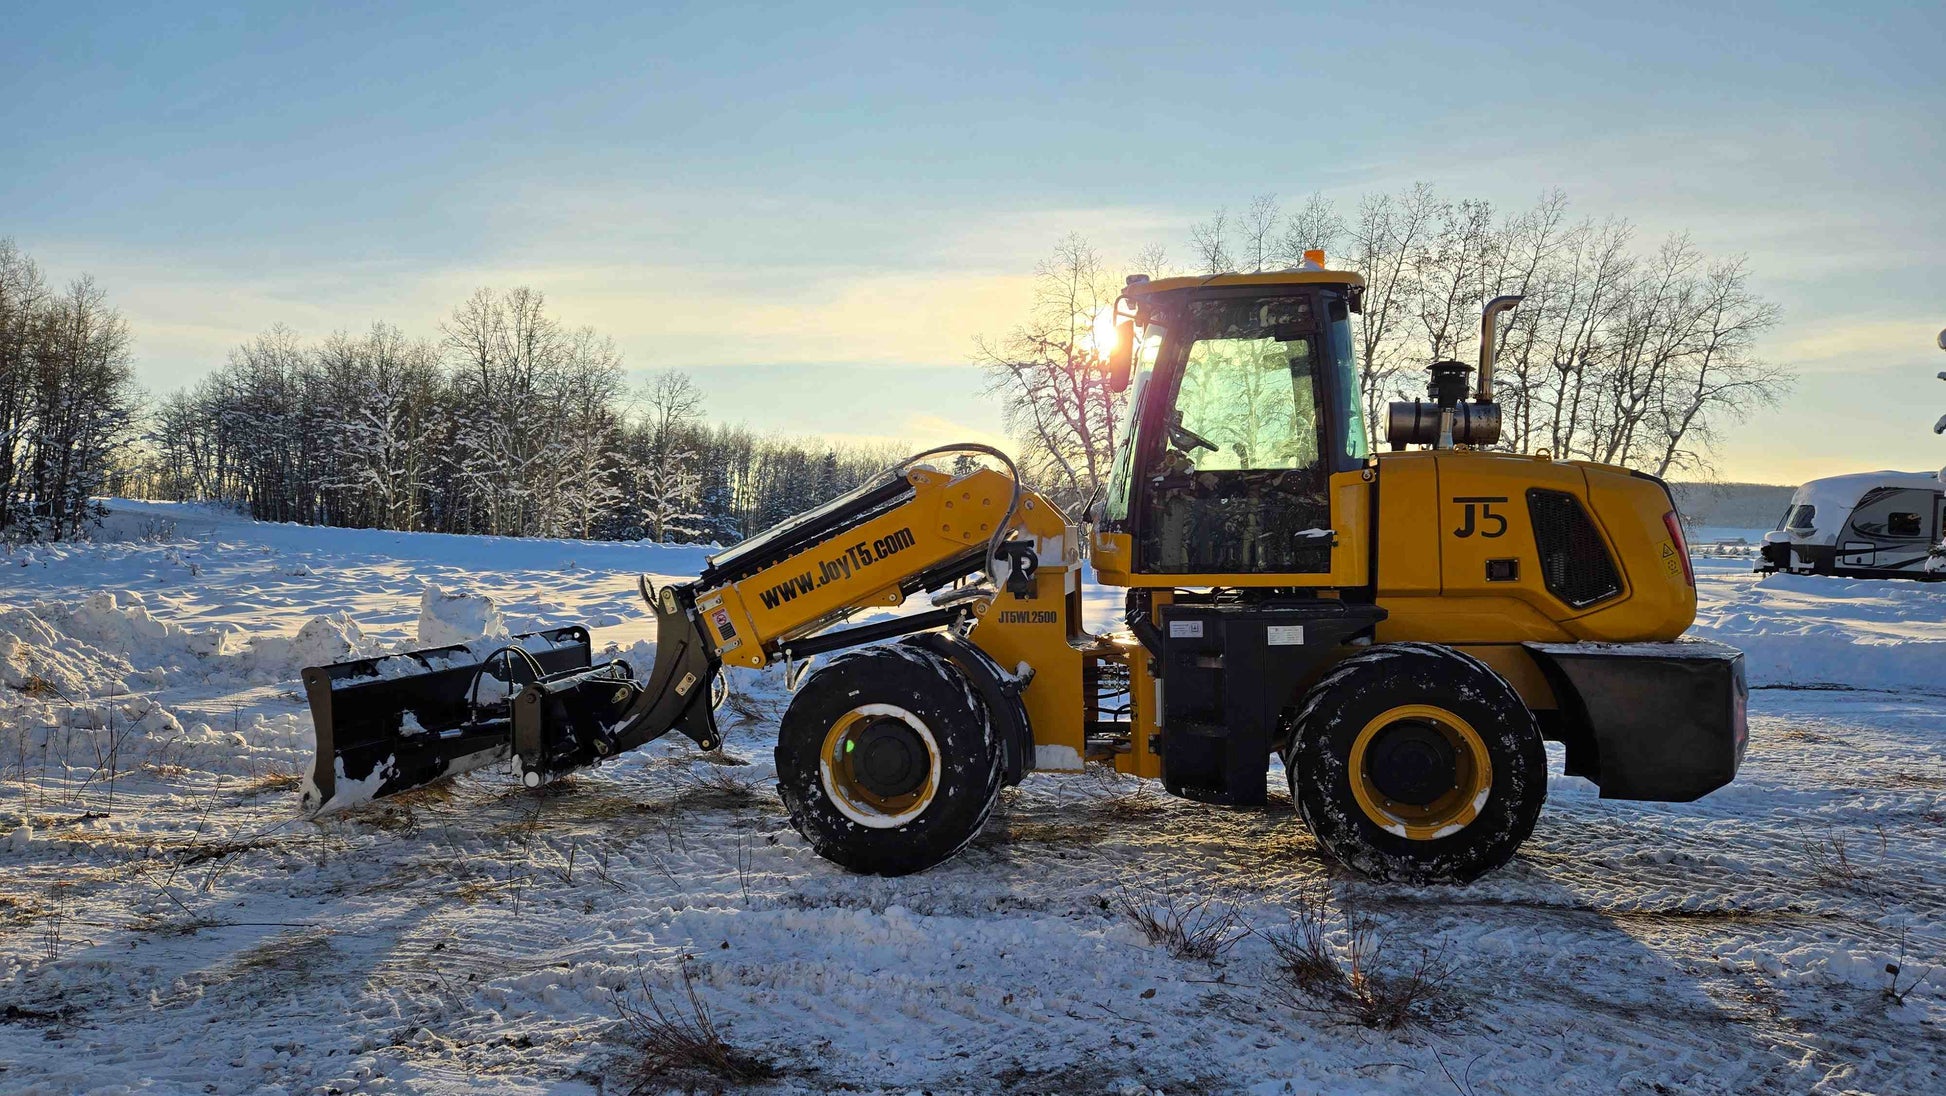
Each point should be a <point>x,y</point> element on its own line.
<point>666,494</point>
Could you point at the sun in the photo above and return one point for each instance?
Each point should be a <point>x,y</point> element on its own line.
<point>1102,331</point>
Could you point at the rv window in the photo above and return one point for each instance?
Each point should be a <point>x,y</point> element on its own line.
<point>1902,525</point>
<point>1801,517</point>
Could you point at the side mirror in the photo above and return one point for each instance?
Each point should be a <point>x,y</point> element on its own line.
<point>1121,359</point>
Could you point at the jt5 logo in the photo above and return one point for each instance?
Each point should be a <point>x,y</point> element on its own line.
<point>1480,517</point>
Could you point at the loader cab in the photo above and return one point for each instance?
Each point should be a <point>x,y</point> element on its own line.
<point>1243,401</point>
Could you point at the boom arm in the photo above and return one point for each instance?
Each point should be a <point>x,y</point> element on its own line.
<point>874,550</point>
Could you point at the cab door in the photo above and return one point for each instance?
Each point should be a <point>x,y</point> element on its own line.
<point>1239,477</point>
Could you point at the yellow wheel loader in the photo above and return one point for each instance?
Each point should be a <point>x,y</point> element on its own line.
<point>1402,630</point>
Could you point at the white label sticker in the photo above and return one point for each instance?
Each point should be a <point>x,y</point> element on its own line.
<point>1185,629</point>
<point>1284,635</point>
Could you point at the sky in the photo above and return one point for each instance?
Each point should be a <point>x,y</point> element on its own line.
<point>814,210</point>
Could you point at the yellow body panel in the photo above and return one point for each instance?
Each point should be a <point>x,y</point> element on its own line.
<point>1449,513</point>
<point>1433,581</point>
<point>1144,704</point>
<point>1040,634</point>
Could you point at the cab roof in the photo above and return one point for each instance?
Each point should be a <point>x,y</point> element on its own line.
<point>1267,279</point>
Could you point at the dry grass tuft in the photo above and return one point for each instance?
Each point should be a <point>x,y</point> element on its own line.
<point>718,756</point>
<point>1118,796</point>
<point>716,786</point>
<point>273,780</point>
<point>1896,969</point>
<point>1357,979</point>
<point>38,687</point>
<point>678,1046</point>
<point>748,708</point>
<point>202,852</point>
<point>1830,864</point>
<point>1200,928</point>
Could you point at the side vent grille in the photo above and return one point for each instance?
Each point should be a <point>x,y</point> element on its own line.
<point>1575,563</point>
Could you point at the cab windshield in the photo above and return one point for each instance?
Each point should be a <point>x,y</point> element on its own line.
<point>1249,393</point>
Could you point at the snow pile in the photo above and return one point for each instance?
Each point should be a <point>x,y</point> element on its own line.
<point>97,646</point>
<point>111,642</point>
<point>321,641</point>
<point>106,678</point>
<point>448,617</point>
<point>1810,630</point>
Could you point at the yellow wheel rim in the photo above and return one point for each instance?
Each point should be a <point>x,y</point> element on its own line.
<point>849,781</point>
<point>1406,736</point>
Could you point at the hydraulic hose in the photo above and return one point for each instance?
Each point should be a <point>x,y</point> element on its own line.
<point>1013,474</point>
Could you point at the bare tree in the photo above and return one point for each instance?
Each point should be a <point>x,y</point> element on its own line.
<point>23,298</point>
<point>1048,373</point>
<point>1210,240</point>
<point>1259,227</point>
<point>669,494</point>
<point>1152,260</point>
<point>1316,225</point>
<point>1387,233</point>
<point>67,400</point>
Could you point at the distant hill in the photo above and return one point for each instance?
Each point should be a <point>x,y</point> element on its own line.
<point>1732,505</point>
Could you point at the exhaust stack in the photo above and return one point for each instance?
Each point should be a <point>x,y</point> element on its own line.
<point>1484,394</point>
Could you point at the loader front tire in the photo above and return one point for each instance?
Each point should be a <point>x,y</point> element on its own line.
<point>887,761</point>
<point>1415,763</point>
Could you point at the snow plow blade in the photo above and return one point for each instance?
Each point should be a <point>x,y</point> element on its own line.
<point>387,725</point>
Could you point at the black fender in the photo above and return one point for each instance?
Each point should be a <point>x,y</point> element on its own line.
<point>1001,693</point>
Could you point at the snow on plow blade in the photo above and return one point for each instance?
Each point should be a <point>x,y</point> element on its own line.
<point>389,724</point>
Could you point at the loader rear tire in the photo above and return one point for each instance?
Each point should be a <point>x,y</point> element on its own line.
<point>1415,763</point>
<point>887,761</point>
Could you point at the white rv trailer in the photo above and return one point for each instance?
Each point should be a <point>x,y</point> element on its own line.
<point>1865,525</point>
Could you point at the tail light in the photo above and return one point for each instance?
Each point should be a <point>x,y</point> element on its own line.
<point>1674,525</point>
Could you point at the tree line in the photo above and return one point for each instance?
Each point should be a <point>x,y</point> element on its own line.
<point>67,399</point>
<point>506,423</point>
<point>1623,352</point>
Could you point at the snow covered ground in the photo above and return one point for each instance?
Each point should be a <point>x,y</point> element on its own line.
<point>168,922</point>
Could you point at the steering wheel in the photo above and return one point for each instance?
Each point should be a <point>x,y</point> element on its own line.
<point>1185,439</point>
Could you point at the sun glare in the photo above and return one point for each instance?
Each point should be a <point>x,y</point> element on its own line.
<point>1103,330</point>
